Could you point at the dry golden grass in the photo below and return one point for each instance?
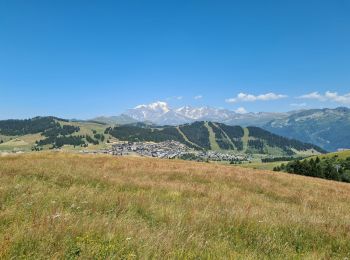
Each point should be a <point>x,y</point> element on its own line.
<point>61,205</point>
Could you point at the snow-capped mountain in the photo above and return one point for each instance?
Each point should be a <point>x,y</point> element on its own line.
<point>160,113</point>
<point>152,112</point>
<point>205,113</point>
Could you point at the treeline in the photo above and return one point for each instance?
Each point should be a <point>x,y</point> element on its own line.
<point>48,126</point>
<point>235,133</point>
<point>55,134</point>
<point>232,131</point>
<point>58,135</point>
<point>279,159</point>
<point>197,133</point>
<point>134,133</point>
<point>58,130</point>
<point>220,137</point>
<point>327,168</point>
<point>27,126</point>
<point>256,145</point>
<point>99,137</point>
<point>238,144</point>
<point>59,141</point>
<point>91,140</point>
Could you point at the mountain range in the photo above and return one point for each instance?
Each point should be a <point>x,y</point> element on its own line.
<point>160,113</point>
<point>327,128</point>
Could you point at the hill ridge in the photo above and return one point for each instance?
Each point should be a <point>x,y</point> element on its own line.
<point>50,132</point>
<point>216,136</point>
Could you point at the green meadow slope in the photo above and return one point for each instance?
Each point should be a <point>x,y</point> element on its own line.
<point>68,206</point>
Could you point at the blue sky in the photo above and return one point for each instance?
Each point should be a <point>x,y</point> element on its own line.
<point>80,59</point>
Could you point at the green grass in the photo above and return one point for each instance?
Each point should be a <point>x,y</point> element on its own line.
<point>19,143</point>
<point>226,137</point>
<point>185,137</point>
<point>245,139</point>
<point>269,166</point>
<point>86,128</point>
<point>68,206</point>
<point>340,155</point>
<point>261,166</point>
<point>212,139</point>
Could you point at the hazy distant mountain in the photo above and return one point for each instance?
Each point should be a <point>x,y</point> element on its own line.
<point>160,113</point>
<point>327,128</point>
<point>255,119</point>
<point>115,120</point>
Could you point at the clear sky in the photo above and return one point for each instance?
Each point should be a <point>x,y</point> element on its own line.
<point>80,59</point>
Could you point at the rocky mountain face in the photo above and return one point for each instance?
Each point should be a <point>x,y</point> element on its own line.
<point>327,128</point>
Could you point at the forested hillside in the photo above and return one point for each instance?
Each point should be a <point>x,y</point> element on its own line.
<point>208,135</point>
<point>329,167</point>
<point>47,133</point>
<point>27,126</point>
<point>51,132</point>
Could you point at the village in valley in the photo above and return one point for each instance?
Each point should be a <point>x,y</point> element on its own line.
<point>168,150</point>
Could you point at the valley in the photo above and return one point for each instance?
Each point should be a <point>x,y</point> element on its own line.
<point>44,133</point>
<point>86,189</point>
<point>201,141</point>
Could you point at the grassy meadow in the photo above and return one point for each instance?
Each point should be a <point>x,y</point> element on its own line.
<point>64,206</point>
<point>340,155</point>
<point>261,165</point>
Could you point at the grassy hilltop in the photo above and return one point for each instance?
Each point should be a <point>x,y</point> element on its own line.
<point>51,132</point>
<point>61,205</point>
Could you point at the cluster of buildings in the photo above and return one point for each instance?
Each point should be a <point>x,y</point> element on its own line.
<point>219,156</point>
<point>170,150</point>
<point>167,149</point>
